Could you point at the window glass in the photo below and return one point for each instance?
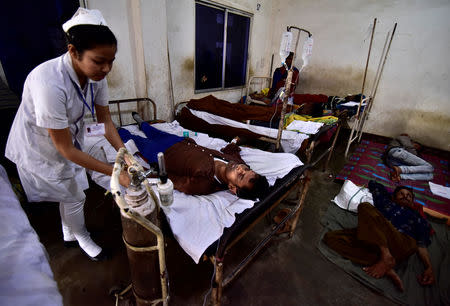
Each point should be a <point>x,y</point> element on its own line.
<point>238,28</point>
<point>209,36</point>
<point>209,47</point>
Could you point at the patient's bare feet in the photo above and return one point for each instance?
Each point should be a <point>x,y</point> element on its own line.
<point>379,269</point>
<point>395,279</point>
<point>395,174</point>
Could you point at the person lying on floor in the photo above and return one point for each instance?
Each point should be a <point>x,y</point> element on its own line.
<point>402,157</point>
<point>386,235</point>
<point>197,170</point>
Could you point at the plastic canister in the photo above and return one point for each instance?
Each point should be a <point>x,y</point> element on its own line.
<point>165,191</point>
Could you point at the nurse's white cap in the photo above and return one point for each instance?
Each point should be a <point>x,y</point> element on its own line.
<point>84,16</point>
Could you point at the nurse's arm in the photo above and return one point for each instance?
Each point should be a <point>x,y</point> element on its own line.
<point>62,139</point>
<point>104,116</point>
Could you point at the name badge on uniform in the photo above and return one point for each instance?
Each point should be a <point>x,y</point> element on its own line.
<point>95,129</point>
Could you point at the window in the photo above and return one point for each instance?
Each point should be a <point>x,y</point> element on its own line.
<point>221,47</point>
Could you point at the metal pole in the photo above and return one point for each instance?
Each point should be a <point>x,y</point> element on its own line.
<point>367,65</point>
<point>287,89</point>
<point>356,124</point>
<point>372,98</point>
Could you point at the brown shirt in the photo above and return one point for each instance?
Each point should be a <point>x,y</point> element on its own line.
<point>191,166</point>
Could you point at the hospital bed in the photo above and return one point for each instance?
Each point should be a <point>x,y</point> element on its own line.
<point>210,225</point>
<point>259,81</point>
<point>25,274</point>
<point>208,116</point>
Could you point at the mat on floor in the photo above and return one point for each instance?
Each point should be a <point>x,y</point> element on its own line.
<point>366,164</point>
<point>439,294</point>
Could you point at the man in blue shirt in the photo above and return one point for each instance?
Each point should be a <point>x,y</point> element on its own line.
<point>386,234</point>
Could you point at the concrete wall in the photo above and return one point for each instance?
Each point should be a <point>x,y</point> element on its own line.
<point>145,38</point>
<point>181,35</point>
<point>413,94</point>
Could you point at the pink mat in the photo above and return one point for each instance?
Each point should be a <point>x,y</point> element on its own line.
<point>366,164</point>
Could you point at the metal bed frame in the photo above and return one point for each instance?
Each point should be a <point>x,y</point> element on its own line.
<point>297,180</point>
<point>139,102</point>
<point>249,99</point>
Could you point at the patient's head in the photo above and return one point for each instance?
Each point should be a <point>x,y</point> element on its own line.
<point>244,182</point>
<point>403,196</point>
<point>289,59</point>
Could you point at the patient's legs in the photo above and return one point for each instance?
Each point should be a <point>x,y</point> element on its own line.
<point>374,243</point>
<point>156,141</point>
<point>411,166</point>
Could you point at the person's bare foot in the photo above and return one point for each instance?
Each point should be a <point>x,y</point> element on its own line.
<point>395,174</point>
<point>395,279</point>
<point>379,269</point>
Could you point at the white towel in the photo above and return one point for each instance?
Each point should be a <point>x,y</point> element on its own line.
<point>305,127</point>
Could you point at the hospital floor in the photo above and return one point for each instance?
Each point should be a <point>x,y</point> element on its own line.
<point>286,272</point>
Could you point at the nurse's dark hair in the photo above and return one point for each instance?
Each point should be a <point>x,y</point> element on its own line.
<point>88,36</point>
<point>258,189</point>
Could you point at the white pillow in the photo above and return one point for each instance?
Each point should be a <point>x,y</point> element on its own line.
<point>351,196</point>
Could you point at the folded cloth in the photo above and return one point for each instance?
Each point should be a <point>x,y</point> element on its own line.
<point>305,127</point>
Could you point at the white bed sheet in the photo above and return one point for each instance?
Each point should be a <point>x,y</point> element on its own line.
<point>25,274</point>
<point>290,141</point>
<point>198,221</point>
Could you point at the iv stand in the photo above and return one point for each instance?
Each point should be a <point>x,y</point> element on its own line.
<point>288,84</point>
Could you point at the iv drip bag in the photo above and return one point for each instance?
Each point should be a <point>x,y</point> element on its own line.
<point>285,45</point>
<point>307,51</point>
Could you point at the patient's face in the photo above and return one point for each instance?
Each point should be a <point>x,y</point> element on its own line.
<point>404,197</point>
<point>239,175</point>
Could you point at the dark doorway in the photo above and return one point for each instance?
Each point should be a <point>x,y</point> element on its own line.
<point>30,34</point>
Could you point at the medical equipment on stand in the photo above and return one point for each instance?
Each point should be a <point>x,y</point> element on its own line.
<point>165,185</point>
<point>141,234</point>
<point>286,40</point>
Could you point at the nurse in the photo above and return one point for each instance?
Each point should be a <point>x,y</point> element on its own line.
<point>46,138</point>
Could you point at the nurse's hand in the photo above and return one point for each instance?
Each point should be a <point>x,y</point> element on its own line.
<point>124,179</point>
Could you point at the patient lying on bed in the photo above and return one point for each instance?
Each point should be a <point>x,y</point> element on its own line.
<point>197,170</point>
<point>386,234</point>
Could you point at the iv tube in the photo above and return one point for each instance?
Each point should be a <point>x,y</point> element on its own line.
<point>162,168</point>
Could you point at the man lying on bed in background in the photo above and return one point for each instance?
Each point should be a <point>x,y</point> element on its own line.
<point>197,170</point>
<point>386,234</point>
<point>402,157</point>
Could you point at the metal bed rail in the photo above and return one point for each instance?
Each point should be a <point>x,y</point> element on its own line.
<point>249,99</point>
<point>221,281</point>
<point>137,100</point>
